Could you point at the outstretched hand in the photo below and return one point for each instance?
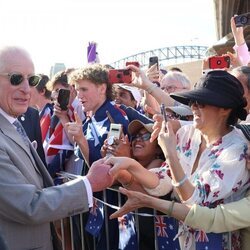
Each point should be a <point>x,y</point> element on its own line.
<point>135,200</point>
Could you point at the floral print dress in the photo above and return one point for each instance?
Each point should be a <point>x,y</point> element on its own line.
<point>220,177</point>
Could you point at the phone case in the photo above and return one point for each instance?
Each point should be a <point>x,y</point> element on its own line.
<point>63,98</point>
<point>153,60</point>
<point>219,62</point>
<point>120,76</point>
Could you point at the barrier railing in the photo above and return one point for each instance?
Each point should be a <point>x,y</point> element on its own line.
<point>69,233</point>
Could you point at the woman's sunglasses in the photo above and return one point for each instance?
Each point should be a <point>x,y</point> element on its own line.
<point>144,137</point>
<point>17,78</point>
<point>197,104</point>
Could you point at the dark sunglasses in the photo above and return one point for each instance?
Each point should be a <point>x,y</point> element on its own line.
<point>144,137</point>
<point>197,104</point>
<point>17,78</point>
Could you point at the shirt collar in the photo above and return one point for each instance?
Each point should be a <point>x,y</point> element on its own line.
<point>11,119</point>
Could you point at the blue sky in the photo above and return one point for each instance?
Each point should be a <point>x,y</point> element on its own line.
<point>59,30</point>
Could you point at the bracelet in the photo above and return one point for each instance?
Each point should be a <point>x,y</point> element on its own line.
<point>151,88</point>
<point>170,209</point>
<point>129,183</point>
<point>180,183</point>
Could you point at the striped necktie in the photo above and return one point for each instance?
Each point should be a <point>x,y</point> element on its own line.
<point>22,132</point>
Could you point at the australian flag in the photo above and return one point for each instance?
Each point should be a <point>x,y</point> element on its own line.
<point>95,219</point>
<point>128,236</point>
<point>211,241</point>
<point>166,229</point>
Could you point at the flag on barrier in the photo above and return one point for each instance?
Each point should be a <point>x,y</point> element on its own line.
<point>95,219</point>
<point>166,229</point>
<point>128,236</point>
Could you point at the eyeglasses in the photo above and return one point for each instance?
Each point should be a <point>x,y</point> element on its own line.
<point>17,78</point>
<point>196,104</point>
<point>144,137</point>
<point>171,88</point>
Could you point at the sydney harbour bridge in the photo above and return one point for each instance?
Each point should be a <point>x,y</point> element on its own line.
<point>166,55</point>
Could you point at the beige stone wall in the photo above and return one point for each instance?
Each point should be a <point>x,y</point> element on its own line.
<point>191,69</point>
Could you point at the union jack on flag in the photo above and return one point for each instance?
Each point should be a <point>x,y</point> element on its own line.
<point>166,229</point>
<point>45,118</point>
<point>201,236</point>
<point>127,237</point>
<point>161,226</point>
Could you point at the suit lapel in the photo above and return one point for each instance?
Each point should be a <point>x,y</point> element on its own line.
<point>8,129</point>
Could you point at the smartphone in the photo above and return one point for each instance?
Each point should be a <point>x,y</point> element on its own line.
<point>120,76</point>
<point>163,112</point>
<point>115,132</point>
<point>137,64</point>
<point>219,62</point>
<point>63,98</point>
<point>242,20</point>
<point>153,60</point>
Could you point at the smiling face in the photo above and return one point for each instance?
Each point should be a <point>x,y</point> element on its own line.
<point>123,96</point>
<point>144,149</point>
<point>207,117</point>
<point>14,100</point>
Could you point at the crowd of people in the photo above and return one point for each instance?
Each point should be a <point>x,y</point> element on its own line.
<point>192,165</point>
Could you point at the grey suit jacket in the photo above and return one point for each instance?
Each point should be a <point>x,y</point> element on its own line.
<point>26,206</point>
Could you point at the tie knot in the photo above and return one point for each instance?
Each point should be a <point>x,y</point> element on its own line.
<point>17,124</point>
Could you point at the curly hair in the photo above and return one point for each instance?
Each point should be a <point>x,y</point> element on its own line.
<point>95,73</point>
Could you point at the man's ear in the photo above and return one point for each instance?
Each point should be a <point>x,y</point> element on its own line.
<point>103,88</point>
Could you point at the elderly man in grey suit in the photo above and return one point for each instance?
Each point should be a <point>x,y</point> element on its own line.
<point>28,199</point>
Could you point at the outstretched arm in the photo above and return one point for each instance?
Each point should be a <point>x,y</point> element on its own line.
<point>137,200</point>
<point>140,174</point>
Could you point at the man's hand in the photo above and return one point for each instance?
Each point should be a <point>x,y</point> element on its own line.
<point>74,129</point>
<point>99,177</point>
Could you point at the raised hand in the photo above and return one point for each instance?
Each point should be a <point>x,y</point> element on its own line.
<point>167,139</point>
<point>74,129</point>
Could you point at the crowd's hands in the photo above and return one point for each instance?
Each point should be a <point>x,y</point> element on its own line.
<point>238,32</point>
<point>74,129</point>
<point>234,61</point>
<point>158,120</point>
<point>139,78</point>
<point>167,139</point>
<point>120,147</point>
<point>99,177</point>
<point>153,73</point>
<point>119,163</point>
<point>61,114</point>
<point>134,201</point>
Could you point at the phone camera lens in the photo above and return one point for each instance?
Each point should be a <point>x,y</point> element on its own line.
<point>219,62</point>
<point>244,19</point>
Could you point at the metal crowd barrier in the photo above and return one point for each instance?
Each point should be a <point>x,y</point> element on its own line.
<point>65,228</point>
